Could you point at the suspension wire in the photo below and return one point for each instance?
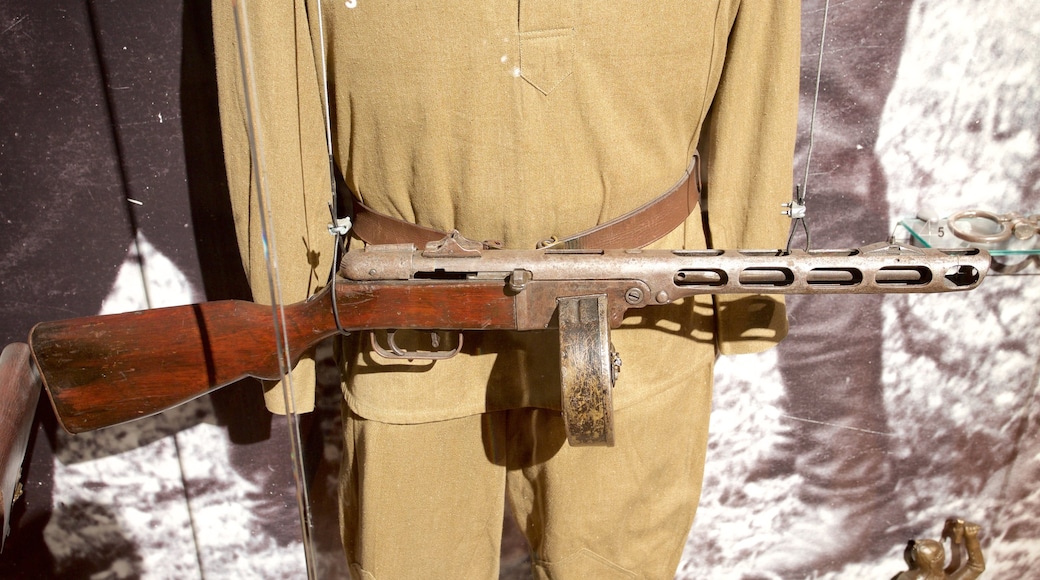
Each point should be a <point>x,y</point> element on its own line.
<point>816,97</point>
<point>796,209</point>
<point>339,226</point>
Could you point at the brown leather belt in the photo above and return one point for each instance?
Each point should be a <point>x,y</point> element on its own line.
<point>637,228</point>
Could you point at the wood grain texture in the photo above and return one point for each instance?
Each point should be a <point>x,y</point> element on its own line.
<point>104,370</point>
<point>19,393</point>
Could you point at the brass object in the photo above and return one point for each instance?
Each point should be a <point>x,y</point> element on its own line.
<point>1004,225</point>
<point>925,558</point>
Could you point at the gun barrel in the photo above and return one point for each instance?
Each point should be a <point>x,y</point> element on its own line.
<point>672,274</point>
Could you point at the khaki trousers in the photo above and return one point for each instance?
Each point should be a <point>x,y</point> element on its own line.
<point>426,500</point>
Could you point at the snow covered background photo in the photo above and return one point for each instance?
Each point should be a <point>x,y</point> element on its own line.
<point>185,495</point>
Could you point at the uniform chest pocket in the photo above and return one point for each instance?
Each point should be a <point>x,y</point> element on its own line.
<point>547,30</point>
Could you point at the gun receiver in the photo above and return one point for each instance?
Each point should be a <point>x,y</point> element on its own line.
<point>104,370</point>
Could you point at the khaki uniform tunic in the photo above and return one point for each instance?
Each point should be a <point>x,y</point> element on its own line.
<point>517,121</point>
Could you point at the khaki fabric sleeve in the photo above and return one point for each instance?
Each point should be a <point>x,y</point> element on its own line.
<point>748,143</point>
<point>294,160</point>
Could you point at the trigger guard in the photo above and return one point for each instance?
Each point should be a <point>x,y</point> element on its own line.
<point>395,352</point>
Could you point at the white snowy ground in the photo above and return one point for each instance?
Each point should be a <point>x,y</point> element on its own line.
<point>961,130</point>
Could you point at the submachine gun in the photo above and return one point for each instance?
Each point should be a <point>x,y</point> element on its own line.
<point>104,370</point>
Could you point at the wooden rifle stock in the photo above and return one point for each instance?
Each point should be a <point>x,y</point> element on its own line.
<point>105,370</point>
<point>19,393</point>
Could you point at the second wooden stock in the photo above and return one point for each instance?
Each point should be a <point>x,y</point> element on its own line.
<point>19,393</point>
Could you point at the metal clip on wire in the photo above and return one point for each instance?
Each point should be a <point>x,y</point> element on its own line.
<point>796,211</point>
<point>340,227</point>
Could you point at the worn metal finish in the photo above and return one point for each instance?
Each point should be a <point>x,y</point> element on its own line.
<point>586,371</point>
<point>639,278</point>
<point>394,351</point>
<point>588,292</point>
<point>996,227</point>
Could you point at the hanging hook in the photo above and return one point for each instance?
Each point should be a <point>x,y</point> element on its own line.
<point>796,211</point>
